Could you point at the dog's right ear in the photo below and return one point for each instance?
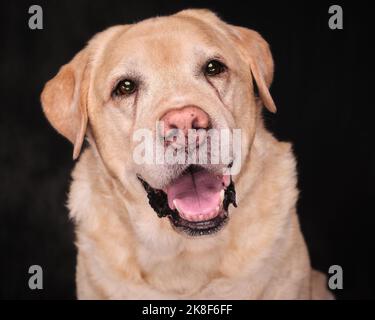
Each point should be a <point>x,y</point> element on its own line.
<point>64,100</point>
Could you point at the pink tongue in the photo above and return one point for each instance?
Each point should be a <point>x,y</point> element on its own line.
<point>197,195</point>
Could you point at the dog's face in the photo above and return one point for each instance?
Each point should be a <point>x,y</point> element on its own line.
<point>185,72</point>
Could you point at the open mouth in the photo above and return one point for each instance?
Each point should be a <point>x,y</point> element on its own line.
<point>196,202</point>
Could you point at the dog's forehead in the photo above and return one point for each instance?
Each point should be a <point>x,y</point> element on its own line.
<point>173,27</point>
<point>161,41</point>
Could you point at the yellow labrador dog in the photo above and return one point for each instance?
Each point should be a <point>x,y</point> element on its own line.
<point>179,231</point>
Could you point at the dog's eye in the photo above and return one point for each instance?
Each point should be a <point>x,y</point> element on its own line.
<point>213,68</point>
<point>125,87</point>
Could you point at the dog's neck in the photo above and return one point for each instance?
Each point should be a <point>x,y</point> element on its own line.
<point>106,215</point>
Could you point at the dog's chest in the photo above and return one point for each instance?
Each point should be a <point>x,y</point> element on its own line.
<point>182,274</point>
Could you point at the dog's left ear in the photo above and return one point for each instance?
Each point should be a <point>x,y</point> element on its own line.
<point>258,55</point>
<point>252,46</point>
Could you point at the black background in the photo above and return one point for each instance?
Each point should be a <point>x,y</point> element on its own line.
<point>322,88</point>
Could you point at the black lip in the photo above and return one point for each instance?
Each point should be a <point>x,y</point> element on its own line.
<point>199,228</point>
<point>158,200</point>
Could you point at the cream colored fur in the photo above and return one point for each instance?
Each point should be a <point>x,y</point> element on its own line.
<point>124,250</point>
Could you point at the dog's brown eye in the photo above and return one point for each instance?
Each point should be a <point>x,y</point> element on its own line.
<point>125,87</point>
<point>214,68</point>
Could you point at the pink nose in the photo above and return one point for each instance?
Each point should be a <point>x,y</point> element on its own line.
<point>186,118</point>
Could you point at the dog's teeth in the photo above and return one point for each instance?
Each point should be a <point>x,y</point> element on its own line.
<point>175,205</point>
<point>221,196</point>
<point>217,209</point>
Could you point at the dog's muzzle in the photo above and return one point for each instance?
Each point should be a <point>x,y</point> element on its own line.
<point>196,202</point>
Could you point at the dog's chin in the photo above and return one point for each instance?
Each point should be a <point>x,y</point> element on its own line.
<point>199,228</point>
<point>196,202</point>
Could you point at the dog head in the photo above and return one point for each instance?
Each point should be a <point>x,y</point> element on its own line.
<point>137,89</point>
